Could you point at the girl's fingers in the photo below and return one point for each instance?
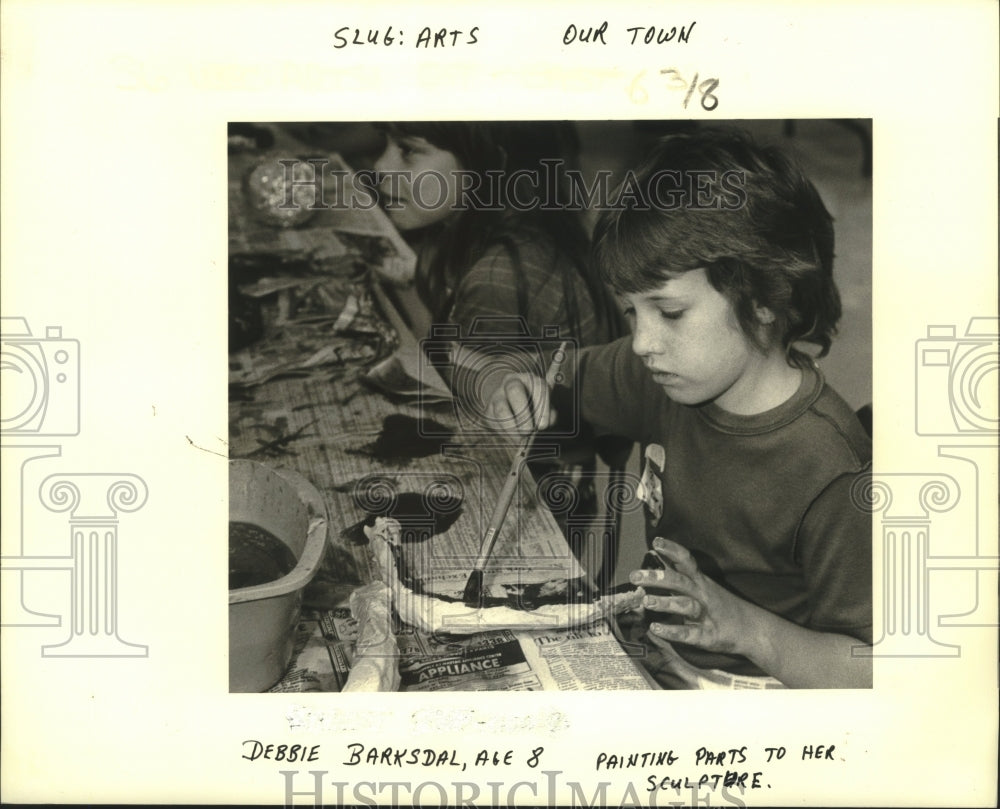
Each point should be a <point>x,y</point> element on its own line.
<point>677,555</point>
<point>676,633</point>
<point>540,409</point>
<point>662,580</point>
<point>510,406</point>
<point>517,403</point>
<point>678,605</point>
<point>527,398</point>
<point>500,414</point>
<point>668,651</point>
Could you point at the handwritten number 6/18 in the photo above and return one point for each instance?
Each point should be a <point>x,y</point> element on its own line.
<point>709,101</point>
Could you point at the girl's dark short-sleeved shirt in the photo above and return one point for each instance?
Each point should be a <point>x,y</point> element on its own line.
<point>772,505</point>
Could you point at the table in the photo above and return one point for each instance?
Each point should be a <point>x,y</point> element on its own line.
<point>311,394</point>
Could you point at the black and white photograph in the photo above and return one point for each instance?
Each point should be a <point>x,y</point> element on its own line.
<point>410,300</point>
<point>600,403</point>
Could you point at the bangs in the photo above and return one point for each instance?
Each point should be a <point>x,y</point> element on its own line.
<point>433,132</point>
<point>638,250</point>
<point>630,253</point>
<point>474,144</point>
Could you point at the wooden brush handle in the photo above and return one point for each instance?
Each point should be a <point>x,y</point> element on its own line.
<point>510,484</point>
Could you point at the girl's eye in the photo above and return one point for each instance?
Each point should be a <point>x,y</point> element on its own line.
<point>674,314</point>
<point>409,148</point>
<point>398,148</point>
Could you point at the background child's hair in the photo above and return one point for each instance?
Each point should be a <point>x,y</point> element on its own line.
<point>768,244</point>
<point>509,147</point>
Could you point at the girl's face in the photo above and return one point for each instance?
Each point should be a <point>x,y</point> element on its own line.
<point>418,182</point>
<point>688,336</point>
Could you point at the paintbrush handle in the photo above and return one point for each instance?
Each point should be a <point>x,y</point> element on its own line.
<point>510,484</point>
<point>500,512</point>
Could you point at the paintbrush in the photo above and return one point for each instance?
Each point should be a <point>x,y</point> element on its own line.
<point>473,594</point>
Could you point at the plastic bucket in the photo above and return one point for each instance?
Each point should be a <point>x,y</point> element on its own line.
<point>263,617</point>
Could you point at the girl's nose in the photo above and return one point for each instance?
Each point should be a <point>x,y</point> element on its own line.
<point>644,342</point>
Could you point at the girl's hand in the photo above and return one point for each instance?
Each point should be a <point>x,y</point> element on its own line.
<point>714,618</point>
<point>674,672</point>
<point>717,620</point>
<point>520,404</point>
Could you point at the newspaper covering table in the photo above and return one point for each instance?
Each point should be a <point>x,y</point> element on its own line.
<point>585,658</point>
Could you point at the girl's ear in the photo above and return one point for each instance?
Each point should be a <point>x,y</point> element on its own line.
<point>764,315</point>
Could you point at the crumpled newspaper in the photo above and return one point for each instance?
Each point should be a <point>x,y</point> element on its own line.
<point>376,653</point>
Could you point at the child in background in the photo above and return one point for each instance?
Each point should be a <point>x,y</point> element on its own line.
<point>500,248</point>
<point>721,253</point>
<point>496,241</point>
